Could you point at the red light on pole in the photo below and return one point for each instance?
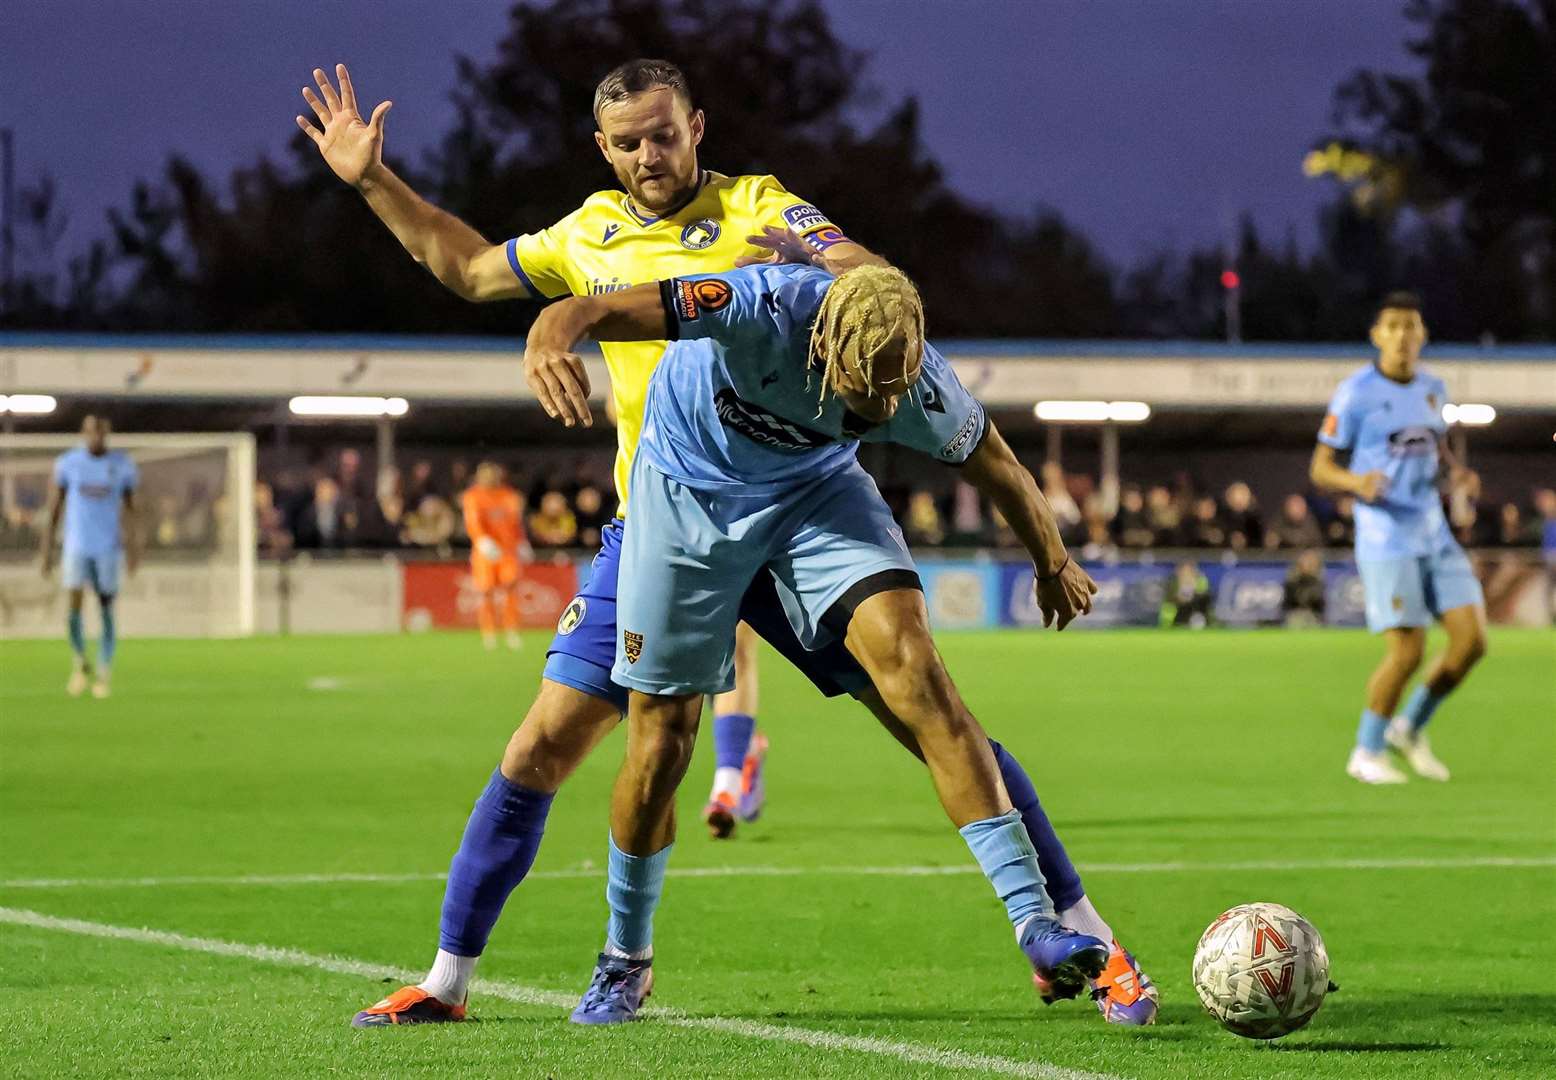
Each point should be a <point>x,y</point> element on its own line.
<point>1230,279</point>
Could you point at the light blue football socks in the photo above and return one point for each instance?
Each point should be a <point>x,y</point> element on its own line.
<point>1369,733</point>
<point>632,888</point>
<point>109,640</point>
<point>74,623</point>
<point>1005,853</point>
<point>1419,709</point>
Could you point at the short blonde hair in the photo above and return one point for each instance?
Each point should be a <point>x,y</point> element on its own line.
<point>864,311</point>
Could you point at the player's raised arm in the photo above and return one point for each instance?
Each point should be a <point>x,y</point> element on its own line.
<point>1064,590</point>
<point>555,372</point>
<point>458,256</point>
<point>784,245</point>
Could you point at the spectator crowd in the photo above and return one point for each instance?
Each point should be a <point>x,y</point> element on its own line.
<point>339,505</point>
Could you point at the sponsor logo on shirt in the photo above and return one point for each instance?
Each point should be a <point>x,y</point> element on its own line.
<point>761,426</point>
<point>952,448</point>
<point>598,287</point>
<point>1414,441</point>
<point>700,234</point>
<point>692,298</point>
<point>803,217</point>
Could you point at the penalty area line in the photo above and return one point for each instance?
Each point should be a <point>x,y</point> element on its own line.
<point>912,1053</point>
<point>1484,862</point>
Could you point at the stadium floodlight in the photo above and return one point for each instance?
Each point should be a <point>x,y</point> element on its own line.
<point>340,406</point>
<point>1470,415</point>
<point>1093,412</point>
<point>27,404</point>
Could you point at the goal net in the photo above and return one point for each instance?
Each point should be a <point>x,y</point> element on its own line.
<point>195,512</point>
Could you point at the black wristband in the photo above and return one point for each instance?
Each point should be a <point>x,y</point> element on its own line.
<point>1057,572</point>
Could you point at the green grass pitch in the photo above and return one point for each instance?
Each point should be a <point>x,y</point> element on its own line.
<point>229,790</point>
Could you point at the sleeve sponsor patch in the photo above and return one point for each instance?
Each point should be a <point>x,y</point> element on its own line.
<point>692,298</point>
<point>824,238</point>
<point>952,448</point>
<point>803,217</point>
<point>1331,426</point>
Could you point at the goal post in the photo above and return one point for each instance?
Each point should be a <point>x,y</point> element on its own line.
<point>194,508</point>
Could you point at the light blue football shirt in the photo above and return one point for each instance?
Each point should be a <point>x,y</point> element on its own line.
<point>736,404</point>
<point>95,486</point>
<point>1393,428</point>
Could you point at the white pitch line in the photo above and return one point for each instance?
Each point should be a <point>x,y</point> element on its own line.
<point>913,1053</point>
<point>587,873</point>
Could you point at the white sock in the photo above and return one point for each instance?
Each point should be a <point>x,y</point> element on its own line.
<point>449,979</point>
<point>614,950</point>
<point>1083,919</point>
<point>726,781</point>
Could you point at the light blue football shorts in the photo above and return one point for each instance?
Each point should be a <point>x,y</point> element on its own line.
<point>1415,590</point>
<point>100,573</point>
<point>689,556</point>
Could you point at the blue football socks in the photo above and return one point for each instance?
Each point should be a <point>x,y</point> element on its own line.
<point>1053,862</point>
<point>498,848</point>
<point>632,888</point>
<point>1009,861</point>
<point>110,639</point>
<point>1419,709</point>
<point>1369,733</point>
<point>731,738</point>
<point>77,634</point>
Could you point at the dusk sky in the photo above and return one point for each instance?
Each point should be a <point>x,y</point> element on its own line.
<point>1148,123</point>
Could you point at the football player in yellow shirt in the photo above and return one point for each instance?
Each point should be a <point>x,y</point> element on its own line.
<point>671,218</point>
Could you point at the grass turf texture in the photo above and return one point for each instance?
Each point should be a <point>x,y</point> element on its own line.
<point>362,755</point>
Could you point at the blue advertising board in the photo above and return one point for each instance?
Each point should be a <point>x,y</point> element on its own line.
<point>1126,596</point>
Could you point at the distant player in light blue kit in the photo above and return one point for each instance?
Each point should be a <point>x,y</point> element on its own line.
<point>94,489</point>
<point>1389,417</point>
<point>747,466</point>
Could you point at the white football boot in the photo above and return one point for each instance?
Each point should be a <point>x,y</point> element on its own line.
<point>76,685</point>
<point>1373,767</point>
<point>1415,749</point>
<point>100,687</point>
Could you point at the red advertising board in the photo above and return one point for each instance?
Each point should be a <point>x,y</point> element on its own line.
<point>440,594</point>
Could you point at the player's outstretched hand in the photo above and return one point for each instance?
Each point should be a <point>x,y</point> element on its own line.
<point>1066,596</point>
<point>1371,486</point>
<point>348,145</point>
<point>781,245</point>
<point>560,382</point>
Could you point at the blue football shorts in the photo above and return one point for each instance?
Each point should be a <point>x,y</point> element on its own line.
<point>584,648</point>
<point>1415,590</point>
<point>689,556</point>
<point>100,573</point>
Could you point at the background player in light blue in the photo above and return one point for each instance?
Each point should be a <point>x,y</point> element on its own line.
<point>94,491</point>
<point>1389,417</point>
<point>747,466</point>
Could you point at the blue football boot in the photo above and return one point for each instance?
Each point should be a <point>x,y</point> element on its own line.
<point>1063,962</point>
<point>617,991</point>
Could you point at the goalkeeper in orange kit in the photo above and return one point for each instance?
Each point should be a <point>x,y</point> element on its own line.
<point>494,518</point>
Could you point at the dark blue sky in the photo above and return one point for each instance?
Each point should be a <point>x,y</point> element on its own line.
<point>1148,123</point>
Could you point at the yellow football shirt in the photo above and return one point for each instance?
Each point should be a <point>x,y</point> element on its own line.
<point>606,245</point>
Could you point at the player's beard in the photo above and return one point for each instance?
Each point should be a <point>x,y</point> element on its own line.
<point>658,202</point>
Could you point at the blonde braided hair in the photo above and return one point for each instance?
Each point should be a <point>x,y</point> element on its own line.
<point>866,308</point>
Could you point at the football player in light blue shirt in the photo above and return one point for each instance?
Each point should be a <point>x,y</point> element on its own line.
<point>1389,418</point>
<point>94,491</point>
<point>747,466</point>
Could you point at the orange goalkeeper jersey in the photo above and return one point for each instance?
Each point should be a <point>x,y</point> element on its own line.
<point>495,513</point>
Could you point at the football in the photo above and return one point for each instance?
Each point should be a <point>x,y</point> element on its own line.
<point>1261,970</point>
